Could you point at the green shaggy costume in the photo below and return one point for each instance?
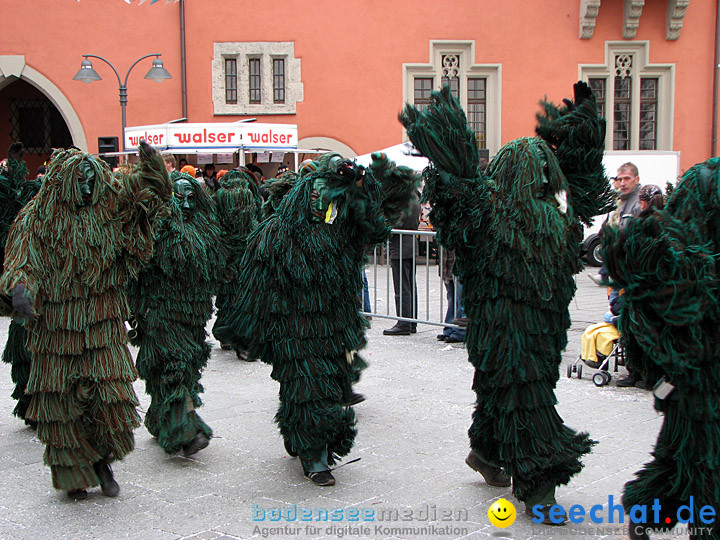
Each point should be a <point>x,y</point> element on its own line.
<point>278,188</point>
<point>16,192</point>
<point>172,302</point>
<point>516,249</point>
<point>74,255</point>
<point>299,309</point>
<point>668,265</point>
<point>238,210</point>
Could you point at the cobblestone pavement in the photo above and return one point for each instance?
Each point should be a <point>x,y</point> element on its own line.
<point>412,442</point>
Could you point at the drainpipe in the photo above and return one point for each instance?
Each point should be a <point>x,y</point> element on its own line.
<point>715,81</point>
<point>183,60</point>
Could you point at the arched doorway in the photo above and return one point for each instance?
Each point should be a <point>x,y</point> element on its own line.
<point>34,121</point>
<point>34,112</point>
<point>327,144</point>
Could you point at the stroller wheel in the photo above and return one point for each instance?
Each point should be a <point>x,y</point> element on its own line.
<point>579,371</point>
<point>599,379</point>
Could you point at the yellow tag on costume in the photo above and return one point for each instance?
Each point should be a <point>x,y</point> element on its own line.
<point>331,213</point>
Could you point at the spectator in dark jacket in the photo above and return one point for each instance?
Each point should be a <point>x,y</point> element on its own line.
<point>403,248</point>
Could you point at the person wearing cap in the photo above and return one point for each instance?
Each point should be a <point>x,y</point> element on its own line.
<point>189,170</point>
<point>650,197</point>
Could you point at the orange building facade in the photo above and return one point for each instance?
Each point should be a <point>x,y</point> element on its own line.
<point>341,71</point>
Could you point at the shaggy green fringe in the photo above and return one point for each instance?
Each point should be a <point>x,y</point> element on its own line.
<point>667,262</point>
<point>238,210</point>
<point>17,355</point>
<point>75,261</point>
<point>10,202</point>
<point>576,133</point>
<point>515,255</point>
<point>299,308</point>
<point>16,192</point>
<point>172,302</point>
<point>278,187</point>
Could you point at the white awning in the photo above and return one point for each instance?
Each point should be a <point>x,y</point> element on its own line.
<point>402,154</point>
<point>210,138</point>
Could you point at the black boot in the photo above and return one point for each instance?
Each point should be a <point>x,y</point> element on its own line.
<point>398,330</point>
<point>110,487</point>
<point>539,504</point>
<point>494,476</point>
<point>77,494</point>
<point>199,442</point>
<point>627,382</point>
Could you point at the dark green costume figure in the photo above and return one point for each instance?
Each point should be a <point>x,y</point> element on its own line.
<point>278,188</point>
<point>172,302</point>
<point>299,307</point>
<point>69,255</point>
<point>238,210</point>
<point>515,232</point>
<point>668,265</point>
<point>15,192</point>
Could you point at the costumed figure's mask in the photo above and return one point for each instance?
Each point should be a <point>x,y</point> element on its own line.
<point>319,200</point>
<point>86,183</point>
<point>324,198</point>
<point>185,197</point>
<point>351,172</point>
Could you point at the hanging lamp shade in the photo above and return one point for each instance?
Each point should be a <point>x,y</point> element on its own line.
<point>158,72</point>
<point>86,73</point>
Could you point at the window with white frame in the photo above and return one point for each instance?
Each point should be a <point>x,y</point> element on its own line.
<point>635,96</point>
<point>477,87</point>
<point>255,78</point>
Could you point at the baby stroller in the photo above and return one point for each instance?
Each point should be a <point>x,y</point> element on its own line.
<point>601,345</point>
<point>601,342</point>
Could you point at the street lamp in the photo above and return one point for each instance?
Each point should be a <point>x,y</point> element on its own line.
<point>87,74</point>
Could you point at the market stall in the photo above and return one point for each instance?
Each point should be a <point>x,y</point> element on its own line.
<point>224,143</point>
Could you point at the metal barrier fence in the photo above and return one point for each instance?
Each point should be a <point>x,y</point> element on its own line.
<point>428,296</point>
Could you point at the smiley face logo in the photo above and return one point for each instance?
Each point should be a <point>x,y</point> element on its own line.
<point>502,513</point>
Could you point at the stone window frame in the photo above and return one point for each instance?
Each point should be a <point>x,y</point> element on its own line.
<point>467,69</point>
<point>641,68</point>
<point>267,51</point>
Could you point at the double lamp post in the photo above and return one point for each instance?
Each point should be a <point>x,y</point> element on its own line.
<point>87,74</point>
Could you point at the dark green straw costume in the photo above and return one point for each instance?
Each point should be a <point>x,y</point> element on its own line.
<point>69,255</point>
<point>299,309</point>
<point>238,210</point>
<point>668,265</point>
<point>15,192</point>
<point>172,302</point>
<point>516,244</point>
<point>278,188</point>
